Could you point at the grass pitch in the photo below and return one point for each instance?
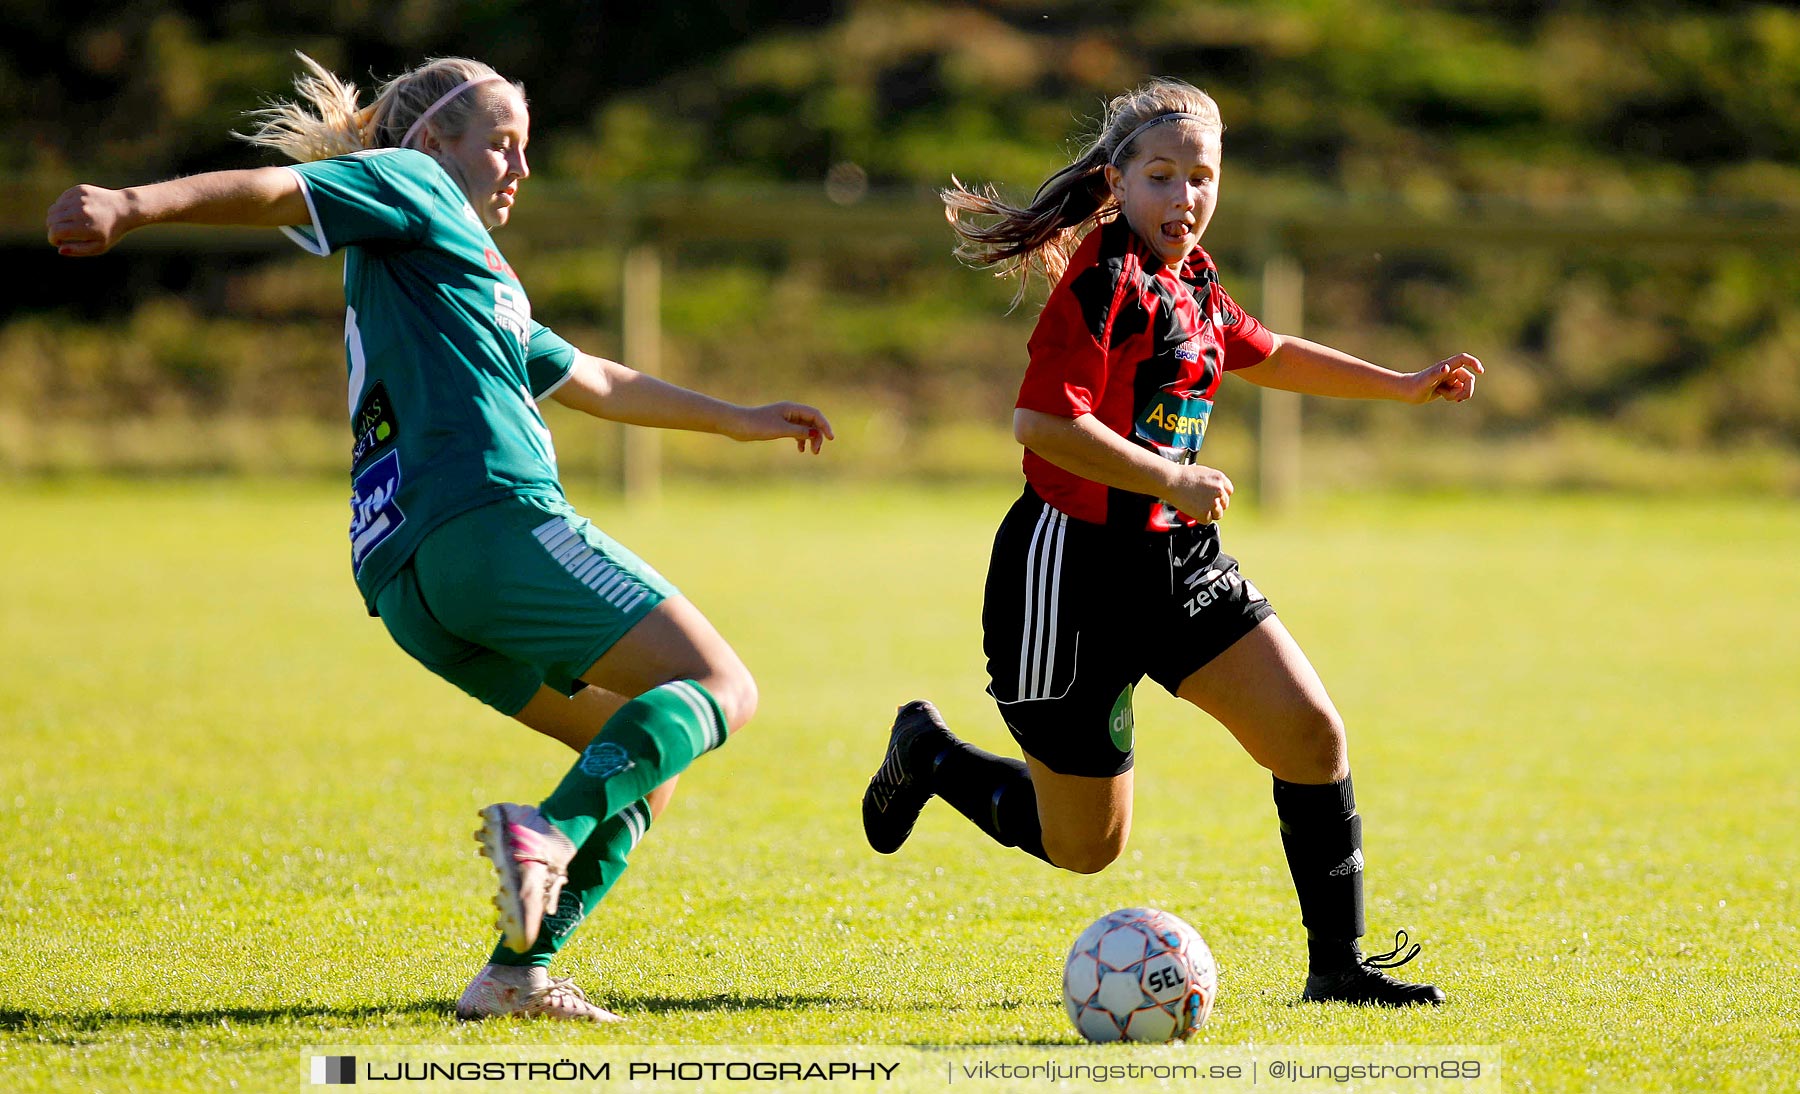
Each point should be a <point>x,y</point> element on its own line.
<point>236,817</point>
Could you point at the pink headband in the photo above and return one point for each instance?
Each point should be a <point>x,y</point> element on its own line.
<point>406,141</point>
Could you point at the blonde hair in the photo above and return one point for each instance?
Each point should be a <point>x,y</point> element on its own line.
<point>1044,234</point>
<point>327,120</point>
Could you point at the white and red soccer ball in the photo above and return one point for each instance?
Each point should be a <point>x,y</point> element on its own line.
<point>1139,974</point>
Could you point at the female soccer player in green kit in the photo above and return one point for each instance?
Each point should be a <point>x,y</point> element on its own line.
<point>460,537</point>
<point>1109,569</point>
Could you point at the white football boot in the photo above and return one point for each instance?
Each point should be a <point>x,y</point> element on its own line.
<point>513,991</point>
<point>532,859</point>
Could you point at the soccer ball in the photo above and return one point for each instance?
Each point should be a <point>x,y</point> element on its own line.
<point>1139,974</point>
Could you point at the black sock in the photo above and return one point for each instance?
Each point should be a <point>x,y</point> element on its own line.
<point>992,791</point>
<point>1322,836</point>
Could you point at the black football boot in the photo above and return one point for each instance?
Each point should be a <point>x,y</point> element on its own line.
<point>1363,981</point>
<point>900,788</point>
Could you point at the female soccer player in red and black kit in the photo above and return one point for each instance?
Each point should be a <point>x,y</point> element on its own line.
<point>1109,567</point>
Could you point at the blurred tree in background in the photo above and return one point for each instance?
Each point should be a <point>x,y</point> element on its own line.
<point>1568,110</point>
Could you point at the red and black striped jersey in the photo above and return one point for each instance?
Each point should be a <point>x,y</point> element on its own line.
<point>1141,347</point>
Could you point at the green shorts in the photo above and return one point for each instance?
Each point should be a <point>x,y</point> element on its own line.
<point>517,594</point>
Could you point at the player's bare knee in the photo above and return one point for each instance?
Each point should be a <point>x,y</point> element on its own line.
<point>747,699</point>
<point>1084,860</point>
<point>1083,855</point>
<point>735,690</point>
<point>1321,754</point>
<point>1310,749</point>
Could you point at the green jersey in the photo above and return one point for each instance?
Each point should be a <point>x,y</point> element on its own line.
<point>446,363</point>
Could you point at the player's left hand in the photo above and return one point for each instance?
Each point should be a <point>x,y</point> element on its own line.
<point>1452,380</point>
<point>805,424</point>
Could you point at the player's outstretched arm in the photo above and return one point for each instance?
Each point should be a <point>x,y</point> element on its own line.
<point>607,389</point>
<point>1085,447</point>
<point>1314,369</point>
<point>90,220</point>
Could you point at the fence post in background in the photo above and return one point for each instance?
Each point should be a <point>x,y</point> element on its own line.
<point>1278,426</point>
<point>640,449</point>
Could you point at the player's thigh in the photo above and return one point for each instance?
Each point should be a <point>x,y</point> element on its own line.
<point>570,719</point>
<point>1085,820</point>
<point>1264,690</point>
<point>676,642</point>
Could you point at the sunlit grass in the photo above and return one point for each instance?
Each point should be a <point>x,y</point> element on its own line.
<point>236,817</point>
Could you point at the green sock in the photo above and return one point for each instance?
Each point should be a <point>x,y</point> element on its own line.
<point>647,742</point>
<point>593,870</point>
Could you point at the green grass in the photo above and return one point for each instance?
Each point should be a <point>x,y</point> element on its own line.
<point>236,817</point>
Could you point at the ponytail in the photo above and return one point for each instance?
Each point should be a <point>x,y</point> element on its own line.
<point>327,119</point>
<point>1043,235</point>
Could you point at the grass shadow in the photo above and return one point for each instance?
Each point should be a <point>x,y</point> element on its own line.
<point>667,1004</point>
<point>13,1020</point>
<point>79,1027</point>
<point>663,1004</point>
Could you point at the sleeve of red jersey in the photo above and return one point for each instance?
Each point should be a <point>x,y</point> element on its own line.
<point>1070,345</point>
<point>1247,342</point>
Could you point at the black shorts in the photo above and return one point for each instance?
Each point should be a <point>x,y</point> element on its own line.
<point>1077,613</point>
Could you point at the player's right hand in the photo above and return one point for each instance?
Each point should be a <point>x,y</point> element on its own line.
<point>805,425</point>
<point>1201,492</point>
<point>87,220</point>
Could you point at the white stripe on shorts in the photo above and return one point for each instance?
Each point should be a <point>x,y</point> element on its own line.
<point>612,584</point>
<point>1025,630</point>
<point>1062,528</point>
<point>1043,596</point>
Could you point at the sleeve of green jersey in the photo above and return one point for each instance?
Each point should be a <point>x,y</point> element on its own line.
<point>381,195</point>
<point>549,362</point>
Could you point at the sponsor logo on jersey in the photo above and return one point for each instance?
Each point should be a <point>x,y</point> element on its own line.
<point>1175,422</point>
<point>496,263</point>
<point>512,313</point>
<point>374,513</point>
<point>1188,351</point>
<point>374,425</point>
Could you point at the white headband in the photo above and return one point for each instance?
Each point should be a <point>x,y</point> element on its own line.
<point>1113,160</point>
<point>406,141</point>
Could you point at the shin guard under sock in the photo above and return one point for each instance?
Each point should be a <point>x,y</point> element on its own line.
<point>646,742</point>
<point>992,791</point>
<point>1322,835</point>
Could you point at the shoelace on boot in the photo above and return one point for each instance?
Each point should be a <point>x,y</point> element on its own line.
<point>558,990</point>
<point>1393,959</point>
